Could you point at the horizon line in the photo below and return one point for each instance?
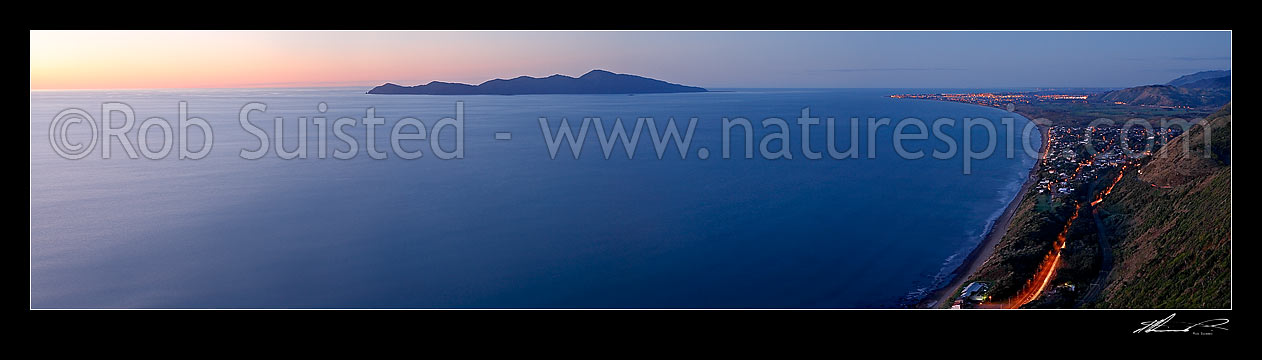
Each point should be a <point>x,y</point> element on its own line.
<point>706,87</point>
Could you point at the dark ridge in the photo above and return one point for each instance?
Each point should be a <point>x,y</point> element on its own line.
<point>1188,79</point>
<point>593,82</point>
<point>1220,83</point>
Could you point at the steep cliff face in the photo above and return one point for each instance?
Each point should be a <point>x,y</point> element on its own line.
<point>1172,222</point>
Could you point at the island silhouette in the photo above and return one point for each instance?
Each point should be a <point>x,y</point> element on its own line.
<point>593,82</point>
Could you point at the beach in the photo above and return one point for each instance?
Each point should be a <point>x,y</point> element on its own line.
<point>978,256</point>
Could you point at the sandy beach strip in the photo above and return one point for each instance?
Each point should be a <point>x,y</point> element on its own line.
<point>978,256</point>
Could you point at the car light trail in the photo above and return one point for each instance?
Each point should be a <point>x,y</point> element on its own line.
<point>1108,190</point>
<point>1047,269</point>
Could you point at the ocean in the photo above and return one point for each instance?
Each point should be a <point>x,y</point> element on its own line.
<point>507,224</point>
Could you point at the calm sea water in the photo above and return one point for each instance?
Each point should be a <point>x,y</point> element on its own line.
<point>507,226</point>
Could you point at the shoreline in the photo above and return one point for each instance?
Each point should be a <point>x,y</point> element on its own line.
<point>978,256</point>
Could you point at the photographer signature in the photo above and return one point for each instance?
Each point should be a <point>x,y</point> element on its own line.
<point>1166,325</point>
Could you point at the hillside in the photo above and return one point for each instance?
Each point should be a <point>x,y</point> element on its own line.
<point>1166,95</point>
<point>1172,225</point>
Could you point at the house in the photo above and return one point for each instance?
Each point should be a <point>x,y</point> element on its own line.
<point>975,292</point>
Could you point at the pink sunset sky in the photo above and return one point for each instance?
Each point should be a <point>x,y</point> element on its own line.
<point>200,59</point>
<point>225,59</point>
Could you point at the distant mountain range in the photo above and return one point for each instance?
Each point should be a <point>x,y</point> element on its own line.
<point>593,82</point>
<point>1206,89</point>
<point>1188,79</point>
<point>1212,83</point>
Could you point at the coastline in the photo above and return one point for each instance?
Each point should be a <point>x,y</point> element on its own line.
<point>986,247</point>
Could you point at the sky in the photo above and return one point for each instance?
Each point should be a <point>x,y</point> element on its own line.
<point>713,59</point>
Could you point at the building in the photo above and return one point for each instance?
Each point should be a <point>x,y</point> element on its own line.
<point>975,292</point>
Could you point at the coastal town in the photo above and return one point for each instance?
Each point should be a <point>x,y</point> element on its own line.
<point>1035,97</point>
<point>1075,166</point>
<point>1002,99</point>
<point>1077,156</point>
